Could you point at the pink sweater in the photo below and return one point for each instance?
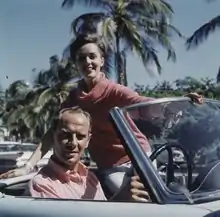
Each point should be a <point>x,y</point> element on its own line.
<point>105,146</point>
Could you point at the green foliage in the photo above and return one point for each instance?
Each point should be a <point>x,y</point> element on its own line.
<point>205,86</point>
<point>28,110</point>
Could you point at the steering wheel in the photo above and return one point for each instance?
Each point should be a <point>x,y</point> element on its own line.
<point>171,165</point>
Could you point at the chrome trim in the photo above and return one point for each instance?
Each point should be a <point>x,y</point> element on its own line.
<point>167,99</point>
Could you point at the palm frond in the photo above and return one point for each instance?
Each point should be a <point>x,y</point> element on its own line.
<point>140,45</point>
<point>93,3</point>
<point>14,115</point>
<point>18,88</point>
<point>160,32</point>
<point>149,57</point>
<point>33,118</point>
<point>47,95</point>
<point>154,26</point>
<point>158,7</point>
<point>128,30</point>
<point>33,95</point>
<point>67,73</point>
<point>203,33</point>
<point>162,39</point>
<point>40,79</point>
<point>108,27</point>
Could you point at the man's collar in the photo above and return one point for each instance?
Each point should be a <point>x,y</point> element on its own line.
<point>68,175</point>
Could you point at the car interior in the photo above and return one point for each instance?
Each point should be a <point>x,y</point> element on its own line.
<point>17,189</point>
<point>206,180</point>
<point>175,163</point>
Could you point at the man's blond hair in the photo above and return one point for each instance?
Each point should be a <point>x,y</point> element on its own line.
<point>74,110</point>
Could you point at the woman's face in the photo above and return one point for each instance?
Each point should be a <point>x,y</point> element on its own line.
<point>89,61</point>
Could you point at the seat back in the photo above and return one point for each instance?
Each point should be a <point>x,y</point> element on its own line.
<point>208,178</point>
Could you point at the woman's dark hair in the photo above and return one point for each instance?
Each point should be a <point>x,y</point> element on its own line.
<point>83,39</point>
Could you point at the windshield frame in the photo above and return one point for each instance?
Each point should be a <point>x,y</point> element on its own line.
<point>168,99</point>
<point>145,169</point>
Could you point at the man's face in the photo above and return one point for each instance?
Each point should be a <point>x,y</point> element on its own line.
<point>71,137</point>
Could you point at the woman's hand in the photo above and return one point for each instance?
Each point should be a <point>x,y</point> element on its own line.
<point>138,192</point>
<point>195,97</point>
<point>15,173</point>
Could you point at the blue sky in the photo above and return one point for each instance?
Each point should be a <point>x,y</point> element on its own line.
<point>33,30</point>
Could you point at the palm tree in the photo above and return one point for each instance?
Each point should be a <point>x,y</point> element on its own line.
<point>136,25</point>
<point>203,32</point>
<point>32,108</point>
<point>2,100</point>
<point>2,103</point>
<point>218,76</point>
<point>14,98</point>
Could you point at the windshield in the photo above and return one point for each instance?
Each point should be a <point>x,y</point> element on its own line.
<point>196,128</point>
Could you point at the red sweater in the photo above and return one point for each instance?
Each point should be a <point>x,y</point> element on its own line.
<point>105,147</point>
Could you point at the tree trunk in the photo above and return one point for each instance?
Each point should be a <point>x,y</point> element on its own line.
<point>120,64</point>
<point>218,76</point>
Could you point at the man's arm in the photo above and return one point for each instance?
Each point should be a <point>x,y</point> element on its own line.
<point>134,190</point>
<point>43,147</point>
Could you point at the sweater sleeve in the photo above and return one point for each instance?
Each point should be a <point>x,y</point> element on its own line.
<point>125,96</point>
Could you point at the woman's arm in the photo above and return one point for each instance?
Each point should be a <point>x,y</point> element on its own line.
<point>126,96</point>
<point>44,146</point>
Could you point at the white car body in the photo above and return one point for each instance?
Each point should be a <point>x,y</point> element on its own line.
<point>27,206</point>
<point>16,154</point>
<point>165,201</point>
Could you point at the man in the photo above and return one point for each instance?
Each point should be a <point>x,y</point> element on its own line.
<point>65,176</point>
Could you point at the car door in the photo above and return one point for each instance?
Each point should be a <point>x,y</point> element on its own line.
<point>27,207</point>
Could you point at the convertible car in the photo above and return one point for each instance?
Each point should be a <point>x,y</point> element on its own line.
<point>182,174</point>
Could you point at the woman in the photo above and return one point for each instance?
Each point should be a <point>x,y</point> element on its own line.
<point>97,95</point>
